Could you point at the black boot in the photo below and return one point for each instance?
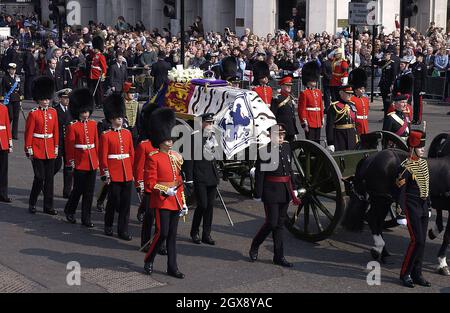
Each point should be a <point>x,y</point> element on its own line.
<point>206,238</point>
<point>71,218</point>
<point>108,231</point>
<point>282,262</point>
<point>196,238</point>
<point>32,209</point>
<point>253,254</point>
<point>100,207</point>
<point>148,268</point>
<point>125,236</point>
<point>176,274</point>
<point>421,281</point>
<point>407,281</point>
<point>88,224</point>
<point>50,211</point>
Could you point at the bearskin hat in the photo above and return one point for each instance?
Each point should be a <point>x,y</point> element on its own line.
<point>98,43</point>
<point>80,100</point>
<point>160,123</point>
<point>228,68</point>
<point>260,70</point>
<point>358,78</point>
<point>406,84</point>
<point>43,88</point>
<point>114,106</point>
<point>310,72</point>
<point>416,139</point>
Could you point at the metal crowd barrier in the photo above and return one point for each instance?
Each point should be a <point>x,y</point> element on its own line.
<point>435,87</point>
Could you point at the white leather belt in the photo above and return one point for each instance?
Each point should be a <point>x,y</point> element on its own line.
<point>118,156</point>
<point>85,147</point>
<point>2,127</point>
<point>43,136</point>
<point>312,109</point>
<point>362,117</point>
<point>96,67</point>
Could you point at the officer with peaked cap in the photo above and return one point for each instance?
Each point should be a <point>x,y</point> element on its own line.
<point>12,96</point>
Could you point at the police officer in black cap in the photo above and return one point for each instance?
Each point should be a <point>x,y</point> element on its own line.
<point>388,74</point>
<point>201,169</point>
<point>12,97</point>
<point>419,71</point>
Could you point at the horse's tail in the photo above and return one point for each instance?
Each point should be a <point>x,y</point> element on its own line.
<point>357,206</point>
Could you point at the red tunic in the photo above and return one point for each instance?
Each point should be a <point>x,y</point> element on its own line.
<point>162,171</point>
<point>98,67</point>
<point>340,70</point>
<point>82,145</point>
<point>142,156</point>
<point>310,108</point>
<point>265,93</point>
<point>41,133</point>
<point>362,114</point>
<point>5,129</point>
<point>117,155</point>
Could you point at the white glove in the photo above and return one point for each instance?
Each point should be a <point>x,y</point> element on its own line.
<point>184,211</point>
<point>344,81</point>
<point>296,193</point>
<point>429,213</point>
<point>30,153</point>
<point>11,150</point>
<point>422,93</point>
<point>252,172</point>
<point>56,151</point>
<point>141,186</point>
<point>72,164</point>
<point>331,148</point>
<point>171,191</point>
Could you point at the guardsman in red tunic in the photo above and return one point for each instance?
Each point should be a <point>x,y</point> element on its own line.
<point>6,147</point>
<point>339,74</point>
<point>98,70</point>
<point>116,166</point>
<point>82,146</point>
<point>310,104</point>
<point>143,152</point>
<point>261,75</point>
<point>358,80</point>
<point>162,179</point>
<point>41,143</point>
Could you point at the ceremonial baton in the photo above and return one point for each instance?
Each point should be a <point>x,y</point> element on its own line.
<point>224,206</point>
<point>21,110</point>
<point>98,82</point>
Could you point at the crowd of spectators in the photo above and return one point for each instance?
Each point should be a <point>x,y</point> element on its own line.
<point>135,46</point>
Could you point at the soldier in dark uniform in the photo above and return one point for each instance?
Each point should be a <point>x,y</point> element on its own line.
<point>202,171</point>
<point>396,121</point>
<point>284,108</point>
<point>388,74</point>
<point>403,83</point>
<point>341,122</point>
<point>274,188</point>
<point>419,71</point>
<point>414,199</point>
<point>64,119</point>
<point>12,97</point>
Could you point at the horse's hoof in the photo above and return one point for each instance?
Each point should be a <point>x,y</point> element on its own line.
<point>431,234</point>
<point>444,271</point>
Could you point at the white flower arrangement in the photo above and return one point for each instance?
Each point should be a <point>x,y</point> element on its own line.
<point>185,75</point>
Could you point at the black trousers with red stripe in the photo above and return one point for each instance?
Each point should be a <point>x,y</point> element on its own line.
<point>149,218</point>
<point>416,211</point>
<point>166,229</point>
<point>4,173</point>
<point>276,214</point>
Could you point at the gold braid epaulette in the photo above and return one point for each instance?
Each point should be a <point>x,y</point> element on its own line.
<point>420,173</point>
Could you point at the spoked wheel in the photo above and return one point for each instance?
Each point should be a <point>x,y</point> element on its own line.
<point>440,146</point>
<point>321,192</point>
<point>391,140</point>
<point>238,173</point>
<point>381,140</point>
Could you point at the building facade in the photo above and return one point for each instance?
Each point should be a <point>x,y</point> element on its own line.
<point>262,16</point>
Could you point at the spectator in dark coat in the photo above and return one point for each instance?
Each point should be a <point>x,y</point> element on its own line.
<point>160,71</point>
<point>29,67</point>
<point>118,74</point>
